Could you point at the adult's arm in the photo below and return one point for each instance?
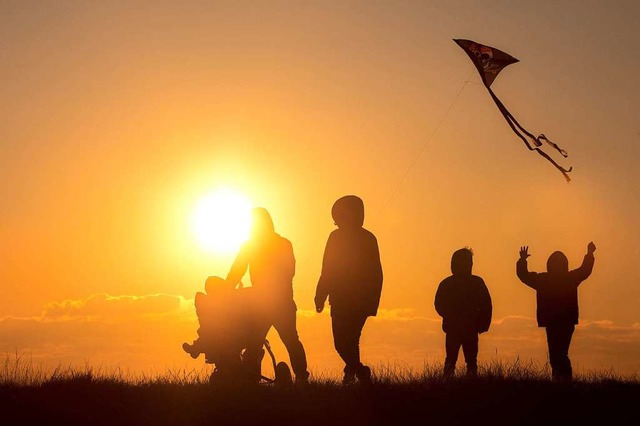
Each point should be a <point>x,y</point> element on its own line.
<point>290,265</point>
<point>239,267</point>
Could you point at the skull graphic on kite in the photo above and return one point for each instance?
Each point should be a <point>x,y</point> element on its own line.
<point>489,61</point>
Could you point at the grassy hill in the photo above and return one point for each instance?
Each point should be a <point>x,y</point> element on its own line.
<point>501,395</point>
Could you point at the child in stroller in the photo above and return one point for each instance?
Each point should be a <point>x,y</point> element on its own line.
<point>230,321</point>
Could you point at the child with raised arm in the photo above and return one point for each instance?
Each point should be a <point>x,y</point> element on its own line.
<point>464,303</point>
<point>557,303</point>
<point>352,279</point>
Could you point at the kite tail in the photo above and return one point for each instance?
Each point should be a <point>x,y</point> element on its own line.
<point>559,167</point>
<point>519,130</point>
<point>512,121</point>
<point>564,153</point>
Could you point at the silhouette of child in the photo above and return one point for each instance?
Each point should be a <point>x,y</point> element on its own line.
<point>464,303</point>
<point>557,303</point>
<point>207,309</point>
<point>351,278</point>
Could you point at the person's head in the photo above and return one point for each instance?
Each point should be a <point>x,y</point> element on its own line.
<point>261,223</point>
<point>348,212</point>
<point>557,263</point>
<point>462,261</point>
<point>214,285</point>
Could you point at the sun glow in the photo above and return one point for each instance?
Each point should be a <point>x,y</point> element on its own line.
<point>221,221</point>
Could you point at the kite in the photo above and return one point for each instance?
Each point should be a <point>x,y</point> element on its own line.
<point>490,61</point>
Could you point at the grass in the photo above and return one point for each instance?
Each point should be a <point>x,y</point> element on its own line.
<point>513,394</point>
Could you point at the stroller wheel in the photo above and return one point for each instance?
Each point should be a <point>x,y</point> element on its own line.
<point>283,374</point>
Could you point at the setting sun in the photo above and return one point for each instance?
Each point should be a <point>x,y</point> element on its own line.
<point>221,221</point>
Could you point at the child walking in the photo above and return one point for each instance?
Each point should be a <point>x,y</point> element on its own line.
<point>351,278</point>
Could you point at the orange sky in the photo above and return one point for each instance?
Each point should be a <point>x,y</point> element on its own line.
<point>119,116</point>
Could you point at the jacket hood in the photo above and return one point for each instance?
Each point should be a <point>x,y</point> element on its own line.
<point>261,223</point>
<point>557,263</point>
<point>462,262</point>
<point>348,212</point>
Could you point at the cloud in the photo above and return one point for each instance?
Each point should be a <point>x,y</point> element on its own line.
<point>400,314</point>
<point>133,331</point>
<point>145,332</point>
<point>108,308</point>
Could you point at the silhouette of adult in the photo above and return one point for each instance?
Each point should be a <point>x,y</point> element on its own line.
<point>271,264</point>
<point>464,303</point>
<point>557,303</point>
<point>352,279</point>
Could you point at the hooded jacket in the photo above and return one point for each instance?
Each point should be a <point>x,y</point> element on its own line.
<point>462,299</point>
<point>556,289</point>
<point>351,273</point>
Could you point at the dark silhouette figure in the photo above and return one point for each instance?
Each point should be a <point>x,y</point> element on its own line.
<point>464,303</point>
<point>228,323</point>
<point>207,305</point>
<point>271,264</point>
<point>352,279</point>
<point>557,303</point>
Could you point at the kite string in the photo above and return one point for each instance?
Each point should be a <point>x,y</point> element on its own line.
<point>424,145</point>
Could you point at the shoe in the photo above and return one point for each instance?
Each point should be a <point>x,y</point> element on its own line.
<point>449,371</point>
<point>562,378</point>
<point>190,350</point>
<point>472,372</point>
<point>349,378</point>
<point>364,374</point>
<point>302,379</point>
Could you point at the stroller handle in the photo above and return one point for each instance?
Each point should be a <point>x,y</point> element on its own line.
<point>273,357</point>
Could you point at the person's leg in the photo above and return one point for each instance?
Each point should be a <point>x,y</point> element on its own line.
<point>555,352</point>
<point>285,324</point>
<point>470,351</point>
<point>249,339</point>
<point>364,372</point>
<point>565,333</point>
<point>345,340</point>
<point>339,328</point>
<point>452,346</point>
<point>252,361</point>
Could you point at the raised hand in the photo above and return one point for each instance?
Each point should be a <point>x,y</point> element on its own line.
<point>591,248</point>
<point>524,252</point>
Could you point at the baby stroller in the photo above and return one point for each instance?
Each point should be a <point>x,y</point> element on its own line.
<point>232,336</point>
